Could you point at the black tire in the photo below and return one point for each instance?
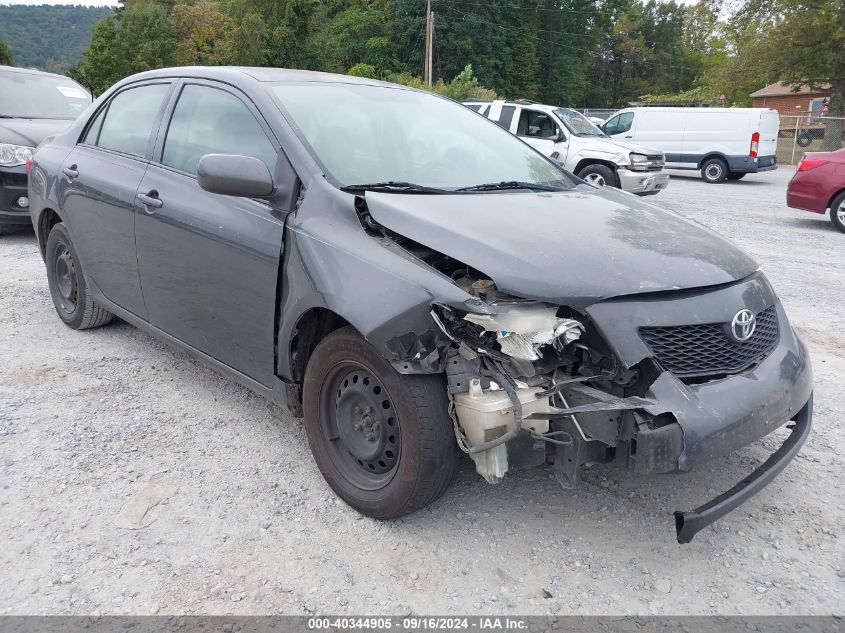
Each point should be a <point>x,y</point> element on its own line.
<point>410,415</point>
<point>736,175</point>
<point>599,176</point>
<point>837,212</point>
<point>68,290</point>
<point>714,171</point>
<point>804,139</point>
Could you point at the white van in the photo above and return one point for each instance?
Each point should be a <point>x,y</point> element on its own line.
<point>724,143</point>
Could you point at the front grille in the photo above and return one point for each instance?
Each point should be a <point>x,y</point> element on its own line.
<point>706,350</point>
<point>655,162</point>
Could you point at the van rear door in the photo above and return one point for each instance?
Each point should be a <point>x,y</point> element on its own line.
<point>769,128</point>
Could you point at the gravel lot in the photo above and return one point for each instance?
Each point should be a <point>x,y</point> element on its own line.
<point>135,480</point>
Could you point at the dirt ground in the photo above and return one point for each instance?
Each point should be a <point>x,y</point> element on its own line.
<point>134,480</point>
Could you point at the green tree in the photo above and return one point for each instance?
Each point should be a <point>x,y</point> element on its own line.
<point>138,36</point>
<point>6,57</point>
<point>201,30</point>
<point>803,42</point>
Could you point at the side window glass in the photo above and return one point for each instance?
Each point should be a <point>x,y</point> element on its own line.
<point>130,118</point>
<point>610,125</point>
<point>94,131</point>
<point>536,124</point>
<point>625,121</point>
<point>506,117</point>
<point>211,121</point>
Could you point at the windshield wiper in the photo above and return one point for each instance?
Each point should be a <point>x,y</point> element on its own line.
<point>510,184</point>
<point>393,186</point>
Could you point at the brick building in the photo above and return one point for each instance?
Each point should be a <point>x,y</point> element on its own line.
<point>789,101</point>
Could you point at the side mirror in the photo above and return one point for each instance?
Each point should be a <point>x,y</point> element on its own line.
<point>234,175</point>
<point>560,138</point>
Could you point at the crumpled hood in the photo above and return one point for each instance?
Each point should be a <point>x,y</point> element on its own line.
<point>30,132</point>
<point>572,247</point>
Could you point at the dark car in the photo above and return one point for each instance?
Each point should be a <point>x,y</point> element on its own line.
<point>416,282</point>
<point>819,185</point>
<point>33,105</point>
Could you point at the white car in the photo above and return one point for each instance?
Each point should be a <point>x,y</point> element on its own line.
<point>571,139</point>
<point>724,143</point>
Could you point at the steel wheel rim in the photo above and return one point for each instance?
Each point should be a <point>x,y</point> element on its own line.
<point>597,180</point>
<point>65,276</point>
<point>360,427</point>
<point>840,213</point>
<point>714,171</point>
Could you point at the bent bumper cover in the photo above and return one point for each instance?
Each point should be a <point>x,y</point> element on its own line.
<point>642,182</point>
<point>688,524</point>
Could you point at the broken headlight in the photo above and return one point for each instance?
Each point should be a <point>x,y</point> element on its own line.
<point>522,329</point>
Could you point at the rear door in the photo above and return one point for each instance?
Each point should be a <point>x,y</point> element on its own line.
<point>769,129</point>
<point>98,186</point>
<point>209,263</point>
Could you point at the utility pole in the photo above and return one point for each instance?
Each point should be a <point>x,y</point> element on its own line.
<point>428,54</point>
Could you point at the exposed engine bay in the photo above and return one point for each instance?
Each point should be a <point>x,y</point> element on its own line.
<point>514,376</point>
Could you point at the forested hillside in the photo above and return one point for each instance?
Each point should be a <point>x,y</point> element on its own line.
<point>50,37</point>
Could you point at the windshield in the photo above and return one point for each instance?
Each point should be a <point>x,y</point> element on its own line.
<point>379,134</point>
<point>32,96</point>
<point>577,123</point>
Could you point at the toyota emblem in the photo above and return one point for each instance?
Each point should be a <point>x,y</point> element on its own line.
<point>743,325</point>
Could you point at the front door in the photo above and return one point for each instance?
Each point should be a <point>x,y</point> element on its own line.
<point>97,189</point>
<point>541,131</point>
<point>209,263</point>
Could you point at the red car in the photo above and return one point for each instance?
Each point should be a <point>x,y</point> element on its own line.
<point>819,185</point>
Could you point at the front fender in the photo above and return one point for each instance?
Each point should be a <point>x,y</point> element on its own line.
<point>379,288</point>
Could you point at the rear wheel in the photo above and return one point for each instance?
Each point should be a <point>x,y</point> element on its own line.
<point>804,139</point>
<point>714,170</point>
<point>736,175</point>
<point>837,212</point>
<point>68,290</point>
<point>383,441</point>
<point>598,175</point>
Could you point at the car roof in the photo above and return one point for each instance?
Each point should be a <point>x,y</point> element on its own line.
<point>259,74</point>
<point>31,71</point>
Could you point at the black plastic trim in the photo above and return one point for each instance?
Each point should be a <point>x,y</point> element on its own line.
<point>688,524</point>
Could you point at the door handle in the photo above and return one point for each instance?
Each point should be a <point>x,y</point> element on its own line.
<point>629,136</point>
<point>150,200</point>
<point>70,172</point>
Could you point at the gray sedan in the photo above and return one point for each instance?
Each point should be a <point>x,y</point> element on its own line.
<point>416,282</point>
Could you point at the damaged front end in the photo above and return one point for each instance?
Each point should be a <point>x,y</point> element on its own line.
<point>531,383</point>
<point>651,379</point>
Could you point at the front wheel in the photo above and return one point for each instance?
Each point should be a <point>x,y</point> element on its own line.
<point>598,175</point>
<point>837,212</point>
<point>714,171</point>
<point>68,289</point>
<point>383,441</point>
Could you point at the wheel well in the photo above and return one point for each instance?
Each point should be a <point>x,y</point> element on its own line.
<point>833,197</point>
<point>709,156</point>
<point>46,221</point>
<point>586,162</point>
<point>311,328</point>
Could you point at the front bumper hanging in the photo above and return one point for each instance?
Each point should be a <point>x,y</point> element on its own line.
<point>688,524</point>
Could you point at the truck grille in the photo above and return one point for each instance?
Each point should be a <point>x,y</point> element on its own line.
<point>655,162</point>
<point>706,350</point>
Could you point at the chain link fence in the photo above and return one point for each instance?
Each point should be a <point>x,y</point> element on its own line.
<point>598,113</point>
<point>808,132</point>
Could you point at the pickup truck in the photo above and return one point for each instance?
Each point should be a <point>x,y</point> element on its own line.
<point>574,141</point>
